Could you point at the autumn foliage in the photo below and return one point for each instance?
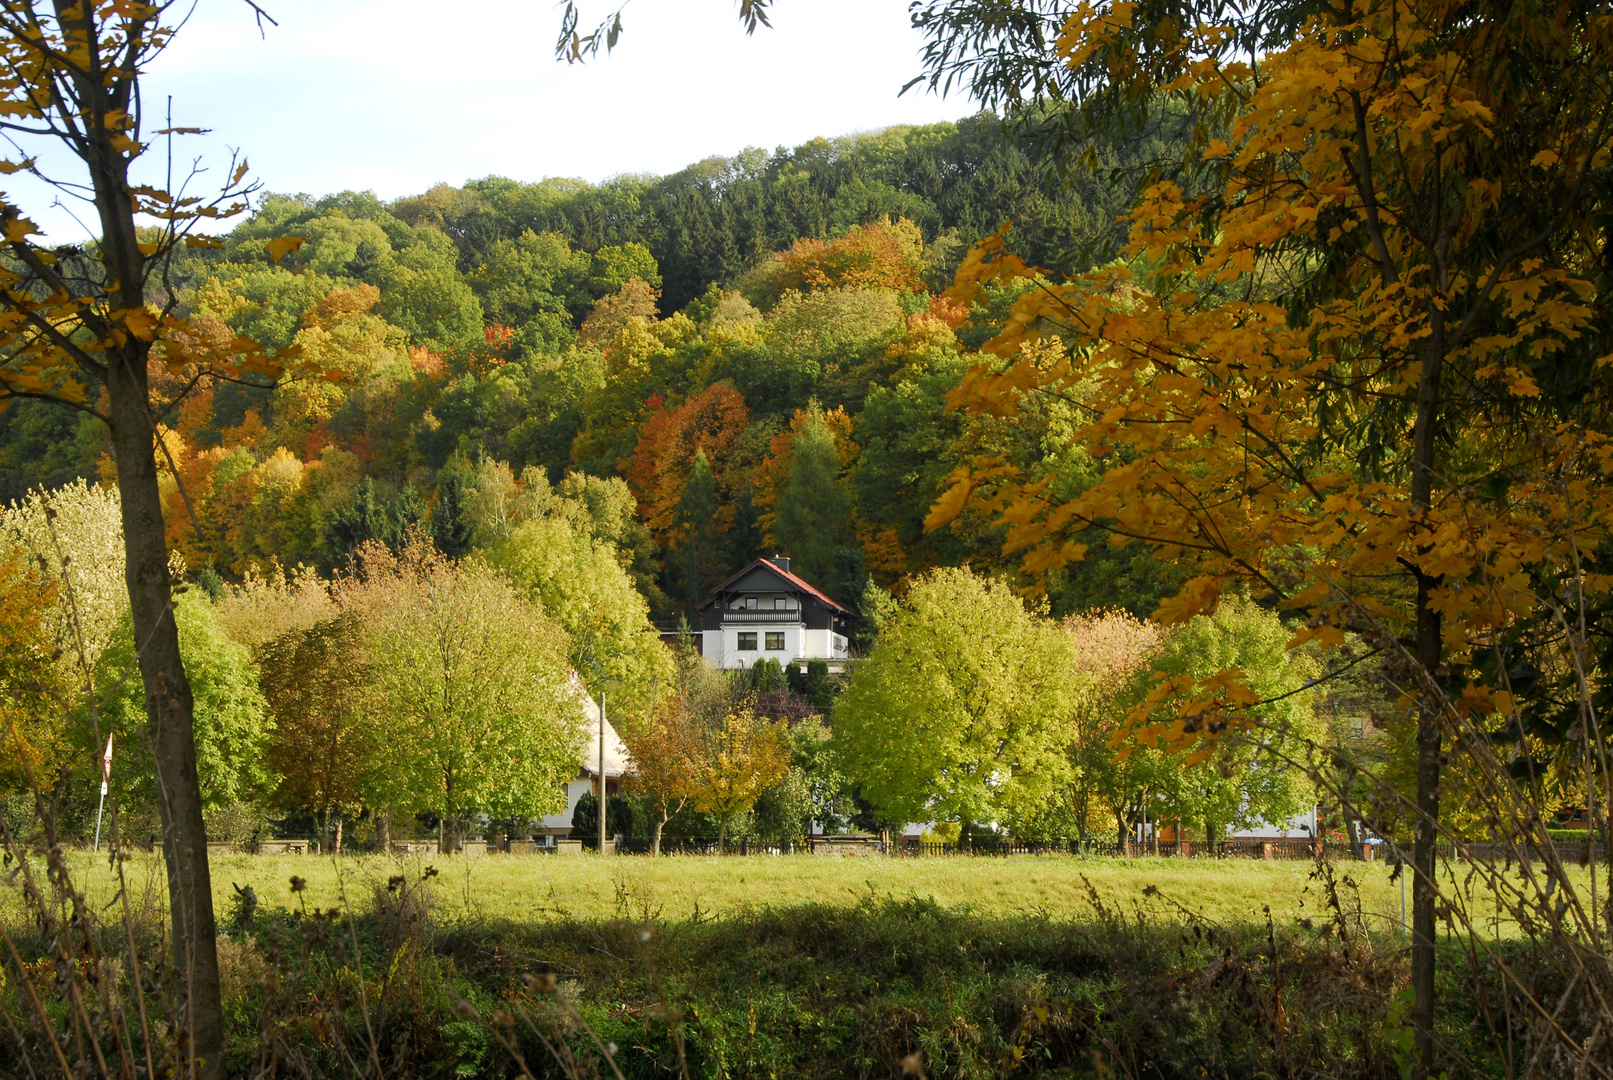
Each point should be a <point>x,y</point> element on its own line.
<point>880,255</point>
<point>710,422</point>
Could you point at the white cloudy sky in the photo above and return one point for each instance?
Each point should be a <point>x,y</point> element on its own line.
<point>396,95</point>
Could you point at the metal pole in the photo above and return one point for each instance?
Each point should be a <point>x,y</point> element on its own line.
<point>1402,891</point>
<point>602,772</point>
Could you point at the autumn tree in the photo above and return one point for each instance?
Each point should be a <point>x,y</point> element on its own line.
<point>710,423</point>
<point>879,255</point>
<point>741,756</point>
<point>1352,361</point>
<point>667,762</point>
<point>327,746</point>
<point>477,681</point>
<point>1115,651</point>
<point>74,535</point>
<point>83,328</point>
<point>33,688</point>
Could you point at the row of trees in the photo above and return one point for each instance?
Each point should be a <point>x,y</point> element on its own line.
<point>973,708</point>
<point>410,684</point>
<point>416,684</point>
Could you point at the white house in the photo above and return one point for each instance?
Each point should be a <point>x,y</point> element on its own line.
<point>558,826</point>
<point>765,612</point>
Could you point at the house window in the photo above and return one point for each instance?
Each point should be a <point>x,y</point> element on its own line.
<point>775,641</point>
<point>747,641</point>
<point>781,603</point>
<point>1357,727</point>
<point>750,603</point>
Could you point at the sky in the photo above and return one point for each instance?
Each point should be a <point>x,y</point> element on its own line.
<point>396,95</point>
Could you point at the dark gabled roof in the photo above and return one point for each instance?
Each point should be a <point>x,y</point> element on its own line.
<point>780,571</point>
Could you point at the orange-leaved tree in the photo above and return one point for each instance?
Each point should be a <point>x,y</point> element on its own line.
<point>1359,365</point>
<point>668,762</point>
<point>880,255</point>
<point>89,327</point>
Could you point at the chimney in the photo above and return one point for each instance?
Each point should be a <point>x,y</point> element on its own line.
<point>782,562</point>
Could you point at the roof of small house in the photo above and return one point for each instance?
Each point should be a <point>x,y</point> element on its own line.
<point>790,581</point>
<point>616,755</point>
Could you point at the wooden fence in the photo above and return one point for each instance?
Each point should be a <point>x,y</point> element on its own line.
<point>1571,853</point>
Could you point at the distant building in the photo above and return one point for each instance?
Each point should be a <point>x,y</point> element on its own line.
<point>558,826</point>
<point>765,612</point>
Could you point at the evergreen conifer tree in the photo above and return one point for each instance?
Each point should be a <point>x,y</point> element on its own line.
<point>814,513</point>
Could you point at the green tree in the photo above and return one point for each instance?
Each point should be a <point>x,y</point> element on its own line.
<point>1260,775</point>
<point>697,547</point>
<point>477,680</point>
<point>959,711</point>
<point>526,284</point>
<point>813,518</point>
<point>233,726</point>
<point>328,749</point>
<point>579,581</point>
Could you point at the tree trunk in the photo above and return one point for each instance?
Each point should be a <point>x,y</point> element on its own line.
<point>170,709</point>
<point>1429,656</point>
<point>336,843</point>
<point>1423,888</point>
<point>655,837</point>
<point>383,830</point>
<point>446,823</point>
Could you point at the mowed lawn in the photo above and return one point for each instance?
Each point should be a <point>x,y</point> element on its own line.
<point>526,888</point>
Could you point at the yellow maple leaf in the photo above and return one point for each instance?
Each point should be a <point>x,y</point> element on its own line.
<point>281,246</point>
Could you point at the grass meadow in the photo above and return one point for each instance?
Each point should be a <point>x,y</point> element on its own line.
<point>804,966</point>
<point>538,888</point>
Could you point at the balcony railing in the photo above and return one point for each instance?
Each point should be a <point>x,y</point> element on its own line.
<point>758,618</point>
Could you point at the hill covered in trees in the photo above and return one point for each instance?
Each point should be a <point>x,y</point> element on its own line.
<point>747,356</point>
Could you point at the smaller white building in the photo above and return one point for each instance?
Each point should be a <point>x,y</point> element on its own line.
<point>1301,826</point>
<point>616,760</point>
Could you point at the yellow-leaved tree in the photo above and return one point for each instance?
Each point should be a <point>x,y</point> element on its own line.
<point>100,329</point>
<point>1355,357</point>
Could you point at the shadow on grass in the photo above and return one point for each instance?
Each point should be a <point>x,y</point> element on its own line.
<point>884,987</point>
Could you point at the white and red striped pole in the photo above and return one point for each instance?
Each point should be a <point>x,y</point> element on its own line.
<point>106,775</point>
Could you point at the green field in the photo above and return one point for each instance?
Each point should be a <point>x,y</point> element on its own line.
<point>536,888</point>
<point>808,966</point>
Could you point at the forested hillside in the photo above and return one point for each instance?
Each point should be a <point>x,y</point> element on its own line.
<point>755,346</point>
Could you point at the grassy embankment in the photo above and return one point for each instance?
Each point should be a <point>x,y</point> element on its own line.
<point>821,967</point>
